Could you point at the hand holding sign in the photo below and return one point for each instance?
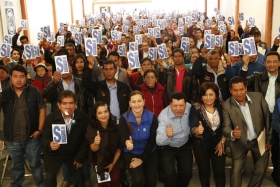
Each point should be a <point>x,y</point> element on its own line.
<point>246,61</point>
<point>97,139</point>
<point>169,131</point>
<point>129,144</point>
<point>59,133</point>
<point>54,146</point>
<point>249,46</point>
<point>200,129</point>
<point>236,133</point>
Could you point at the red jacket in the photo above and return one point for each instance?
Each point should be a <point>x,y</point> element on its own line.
<point>41,82</point>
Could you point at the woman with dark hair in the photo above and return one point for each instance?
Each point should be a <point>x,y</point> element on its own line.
<point>169,43</point>
<point>145,63</point>
<point>206,128</point>
<point>78,66</point>
<point>137,129</point>
<point>153,92</point>
<point>104,140</point>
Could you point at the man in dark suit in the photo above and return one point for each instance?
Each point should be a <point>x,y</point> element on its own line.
<point>246,115</point>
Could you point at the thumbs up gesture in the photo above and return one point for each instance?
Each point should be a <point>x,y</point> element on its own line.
<point>236,133</point>
<point>129,144</point>
<point>199,130</point>
<point>97,139</point>
<point>169,131</point>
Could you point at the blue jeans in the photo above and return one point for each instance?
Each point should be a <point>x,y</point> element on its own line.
<point>67,175</point>
<point>32,150</point>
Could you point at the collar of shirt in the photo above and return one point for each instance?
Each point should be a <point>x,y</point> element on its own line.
<point>70,121</point>
<point>248,100</point>
<point>180,71</point>
<point>109,86</point>
<point>272,76</point>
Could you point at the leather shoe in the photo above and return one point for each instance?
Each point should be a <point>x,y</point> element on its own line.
<point>65,184</point>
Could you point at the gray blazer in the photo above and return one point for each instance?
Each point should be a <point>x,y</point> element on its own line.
<point>97,71</point>
<point>233,117</point>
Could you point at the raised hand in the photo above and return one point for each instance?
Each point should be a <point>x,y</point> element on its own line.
<point>169,131</point>
<point>97,139</point>
<point>129,144</point>
<point>199,129</point>
<point>236,133</point>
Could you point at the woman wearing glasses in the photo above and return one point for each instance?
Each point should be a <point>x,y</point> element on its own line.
<point>208,142</point>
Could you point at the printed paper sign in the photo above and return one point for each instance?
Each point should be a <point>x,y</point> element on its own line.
<point>222,28</point>
<point>133,46</point>
<point>121,50</point>
<point>78,38</point>
<point>59,133</point>
<point>208,23</point>
<point>138,38</point>
<point>61,64</point>
<point>181,30</point>
<point>231,20</point>
<point>209,41</point>
<point>150,32</point>
<point>186,39</point>
<point>207,32</point>
<point>115,35</point>
<point>241,16</point>
<point>52,38</point>
<point>157,32</point>
<point>249,46</point>
<point>61,30</point>
<point>240,49</point>
<point>185,46</point>
<point>106,175</point>
<point>97,34</point>
<point>251,22</point>
<point>188,21</point>
<point>135,29</point>
<point>5,50</point>
<point>162,51</point>
<point>160,24</point>
<point>133,59</point>
<point>90,46</point>
<point>60,40</point>
<point>8,39</point>
<point>219,40</point>
<point>40,36</point>
<point>233,48</point>
<point>9,13</point>
<point>23,24</point>
<point>200,25</point>
<point>29,51</point>
<point>180,22</point>
<point>125,29</point>
<point>47,32</point>
<point>153,53</point>
<point>194,17</point>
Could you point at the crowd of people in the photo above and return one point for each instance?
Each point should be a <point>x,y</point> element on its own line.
<point>148,122</point>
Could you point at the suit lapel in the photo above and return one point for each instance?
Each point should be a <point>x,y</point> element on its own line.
<point>237,110</point>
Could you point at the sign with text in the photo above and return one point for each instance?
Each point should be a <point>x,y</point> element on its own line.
<point>188,21</point>
<point>240,49</point>
<point>61,64</point>
<point>249,46</point>
<point>133,46</point>
<point>181,30</point>
<point>138,38</point>
<point>153,53</point>
<point>241,16</point>
<point>121,50</point>
<point>47,31</point>
<point>233,48</point>
<point>59,133</point>
<point>162,51</point>
<point>60,41</point>
<point>219,40</point>
<point>207,32</point>
<point>150,32</point>
<point>8,39</point>
<point>185,45</point>
<point>29,51</point>
<point>209,41</point>
<point>133,59</point>
<point>90,46</point>
<point>208,23</point>
<point>231,20</point>
<point>5,50</point>
<point>97,34</point>
<point>23,24</point>
<point>251,22</point>
<point>157,32</point>
<point>78,38</point>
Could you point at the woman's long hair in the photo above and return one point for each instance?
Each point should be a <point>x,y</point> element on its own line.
<point>74,69</point>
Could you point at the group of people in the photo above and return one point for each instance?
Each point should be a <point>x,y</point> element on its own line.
<point>147,122</point>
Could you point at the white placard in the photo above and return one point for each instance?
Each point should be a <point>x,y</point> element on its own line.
<point>241,16</point>
<point>207,32</point>
<point>185,46</point>
<point>61,64</point>
<point>188,21</point>
<point>8,39</point>
<point>133,46</point>
<point>60,41</point>
<point>23,24</point>
<point>150,32</point>
<point>231,20</point>
<point>156,32</point>
<point>249,46</point>
<point>208,23</point>
<point>133,59</point>
<point>233,48</point>
<point>78,38</point>
<point>97,34</point>
<point>153,53</point>
<point>29,51</point>
<point>52,38</point>
<point>90,46</point>
<point>219,40</point>
<point>209,41</point>
<point>240,49</point>
<point>162,51</point>
<point>138,38</point>
<point>181,31</point>
<point>5,50</point>
<point>47,31</point>
<point>59,132</point>
<point>106,175</point>
<point>251,22</point>
<point>121,50</point>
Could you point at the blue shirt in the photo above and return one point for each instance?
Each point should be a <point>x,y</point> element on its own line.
<point>70,86</point>
<point>114,103</point>
<point>180,125</point>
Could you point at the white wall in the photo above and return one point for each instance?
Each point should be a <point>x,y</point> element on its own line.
<point>15,22</point>
<point>63,11</point>
<point>227,8</point>
<point>38,18</point>
<point>211,4</point>
<point>275,20</point>
<point>77,9</point>
<point>251,8</point>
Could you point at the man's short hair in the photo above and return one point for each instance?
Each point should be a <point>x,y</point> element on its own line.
<point>114,53</point>
<point>19,68</point>
<point>213,52</point>
<point>236,80</point>
<point>178,96</point>
<point>178,50</point>
<point>110,62</point>
<point>23,38</point>
<point>66,94</point>
<point>144,59</point>
<point>272,53</point>
<point>69,45</point>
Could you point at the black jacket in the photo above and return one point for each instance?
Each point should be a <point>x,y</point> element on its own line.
<point>83,97</point>
<point>15,45</point>
<point>205,74</point>
<point>190,85</point>
<point>101,91</point>
<point>77,146</point>
<point>258,82</point>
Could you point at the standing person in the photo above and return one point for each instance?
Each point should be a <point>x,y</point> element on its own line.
<point>42,77</point>
<point>104,139</point>
<point>145,63</point>
<point>137,129</point>
<point>173,141</point>
<point>23,125</point>
<point>246,115</point>
<point>178,78</point>
<point>74,153</point>
<point>23,40</point>
<point>79,64</point>
<point>208,142</point>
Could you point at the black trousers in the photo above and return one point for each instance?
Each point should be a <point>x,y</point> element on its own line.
<point>184,158</point>
<point>144,175</point>
<point>77,178</point>
<point>205,157</point>
<point>275,156</point>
